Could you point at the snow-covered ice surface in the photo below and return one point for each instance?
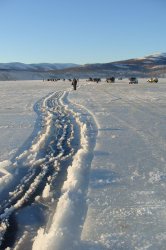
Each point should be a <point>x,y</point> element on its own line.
<point>127,204</point>
<point>114,193</point>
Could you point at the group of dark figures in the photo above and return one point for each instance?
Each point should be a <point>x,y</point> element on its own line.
<point>108,80</point>
<point>74,81</point>
<point>53,79</point>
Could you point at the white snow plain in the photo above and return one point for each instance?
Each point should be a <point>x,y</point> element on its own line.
<point>118,200</point>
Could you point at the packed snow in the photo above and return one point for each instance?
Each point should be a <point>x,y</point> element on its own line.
<point>113,193</point>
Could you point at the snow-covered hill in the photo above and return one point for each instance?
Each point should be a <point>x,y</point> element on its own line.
<point>35,67</point>
<point>149,66</point>
<point>21,71</point>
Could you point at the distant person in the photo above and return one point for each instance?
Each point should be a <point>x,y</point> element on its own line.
<point>74,83</point>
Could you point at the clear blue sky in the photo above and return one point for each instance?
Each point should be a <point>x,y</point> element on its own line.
<point>80,31</point>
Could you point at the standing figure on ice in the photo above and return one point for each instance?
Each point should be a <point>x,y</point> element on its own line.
<point>74,83</point>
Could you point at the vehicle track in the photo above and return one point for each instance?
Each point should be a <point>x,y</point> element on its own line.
<point>44,163</point>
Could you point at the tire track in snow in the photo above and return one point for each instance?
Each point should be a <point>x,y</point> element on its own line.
<point>64,232</point>
<point>38,167</point>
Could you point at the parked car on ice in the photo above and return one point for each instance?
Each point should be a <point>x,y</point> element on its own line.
<point>153,80</point>
<point>111,79</point>
<point>94,79</point>
<point>133,80</point>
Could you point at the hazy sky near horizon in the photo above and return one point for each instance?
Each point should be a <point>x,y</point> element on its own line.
<point>80,31</point>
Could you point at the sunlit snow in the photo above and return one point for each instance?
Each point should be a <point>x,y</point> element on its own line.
<point>113,193</point>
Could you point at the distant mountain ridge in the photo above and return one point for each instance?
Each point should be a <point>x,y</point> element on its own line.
<point>35,66</point>
<point>149,66</point>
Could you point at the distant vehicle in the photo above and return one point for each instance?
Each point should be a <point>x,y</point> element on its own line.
<point>110,79</point>
<point>97,80</point>
<point>94,79</point>
<point>90,79</point>
<point>155,80</point>
<point>133,80</point>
